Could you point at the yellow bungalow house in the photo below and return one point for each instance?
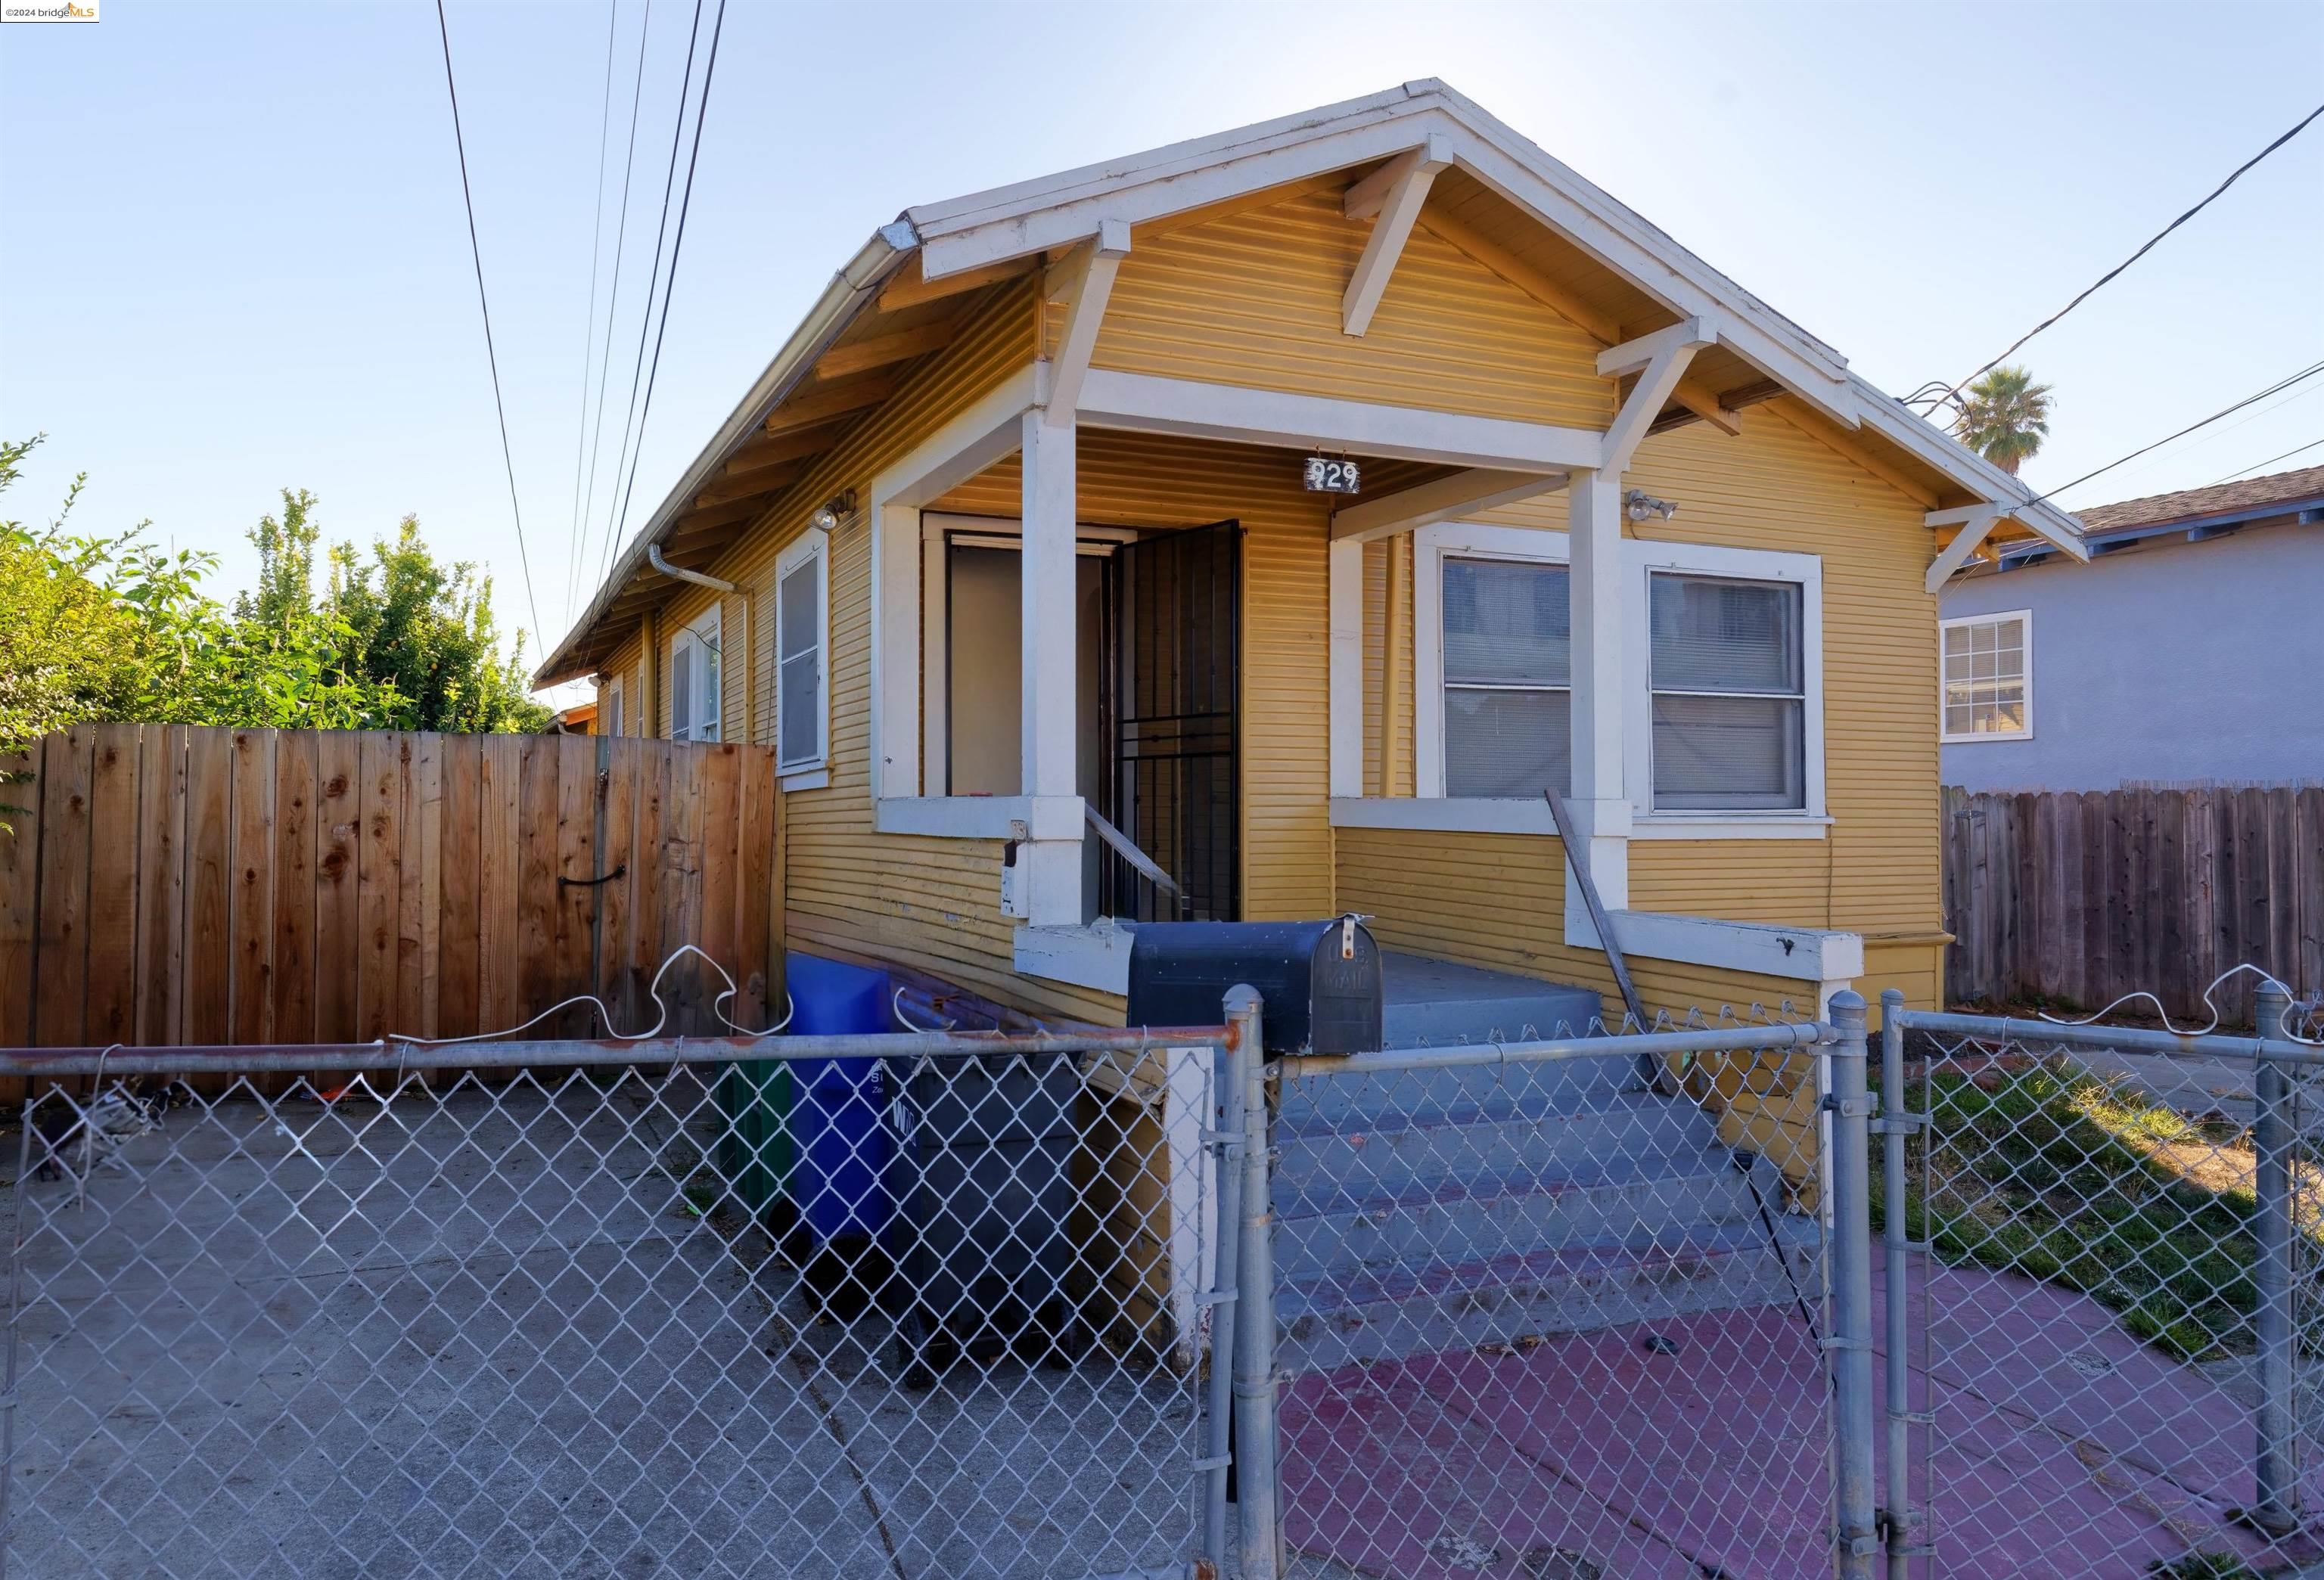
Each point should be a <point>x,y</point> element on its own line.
<point>1019,545</point>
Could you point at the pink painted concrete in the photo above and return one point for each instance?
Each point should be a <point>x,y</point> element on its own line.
<point>2064,1448</point>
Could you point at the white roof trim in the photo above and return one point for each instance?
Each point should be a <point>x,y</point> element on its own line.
<point>1064,209</point>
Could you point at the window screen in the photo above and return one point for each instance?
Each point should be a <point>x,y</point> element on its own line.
<point>799,643</point>
<point>1727,669</point>
<point>1507,678</point>
<point>1986,679</point>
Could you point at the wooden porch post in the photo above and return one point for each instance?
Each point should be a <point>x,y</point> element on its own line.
<point>1601,799</point>
<point>1051,859</point>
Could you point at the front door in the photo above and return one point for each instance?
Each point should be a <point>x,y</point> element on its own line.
<point>1175,783</point>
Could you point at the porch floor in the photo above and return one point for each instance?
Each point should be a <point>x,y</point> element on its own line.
<point>1432,1003</point>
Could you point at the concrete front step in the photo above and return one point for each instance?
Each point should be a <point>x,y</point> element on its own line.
<point>1332,1231</point>
<point>1387,1153</point>
<point>1337,1319</point>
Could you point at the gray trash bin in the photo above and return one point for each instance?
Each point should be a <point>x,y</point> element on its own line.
<point>984,1253</point>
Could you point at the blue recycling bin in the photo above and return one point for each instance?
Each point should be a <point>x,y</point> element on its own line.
<point>839,1176</point>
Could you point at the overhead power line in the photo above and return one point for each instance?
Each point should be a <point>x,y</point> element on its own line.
<point>573,554</point>
<point>677,243</point>
<point>2272,460</point>
<point>2234,176</point>
<point>2280,385</point>
<point>612,300</point>
<point>492,357</point>
<point>653,279</point>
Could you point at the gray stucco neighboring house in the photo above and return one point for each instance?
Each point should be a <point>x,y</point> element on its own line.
<point>2190,648</point>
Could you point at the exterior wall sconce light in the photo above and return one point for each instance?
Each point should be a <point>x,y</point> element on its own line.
<point>829,514</point>
<point>1641,506</point>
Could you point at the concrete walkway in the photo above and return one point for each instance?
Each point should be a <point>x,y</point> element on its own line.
<point>2062,1447</point>
<point>492,1338</point>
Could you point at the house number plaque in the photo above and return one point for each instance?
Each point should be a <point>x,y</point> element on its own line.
<point>1327,476</point>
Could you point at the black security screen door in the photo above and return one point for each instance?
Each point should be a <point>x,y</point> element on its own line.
<point>1177,778</point>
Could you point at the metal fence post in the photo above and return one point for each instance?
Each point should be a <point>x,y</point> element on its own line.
<point>2277,1470</point>
<point>1226,1137</point>
<point>1260,1529</point>
<point>1896,1122</point>
<point>1850,1343</point>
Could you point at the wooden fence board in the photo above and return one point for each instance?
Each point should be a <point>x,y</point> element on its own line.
<point>20,890</point>
<point>112,1014</point>
<point>461,887</point>
<point>2083,898</point>
<point>250,901</point>
<point>174,884</point>
<point>61,984</point>
<point>208,957</point>
<point>338,885</point>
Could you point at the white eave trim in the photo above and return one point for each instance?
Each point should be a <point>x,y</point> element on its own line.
<point>850,290</point>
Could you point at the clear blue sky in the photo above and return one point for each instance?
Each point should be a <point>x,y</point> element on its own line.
<point>235,258</point>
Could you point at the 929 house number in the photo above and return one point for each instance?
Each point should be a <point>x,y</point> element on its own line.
<point>1326,475</point>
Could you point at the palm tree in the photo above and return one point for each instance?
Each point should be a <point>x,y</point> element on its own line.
<point>2006,417</point>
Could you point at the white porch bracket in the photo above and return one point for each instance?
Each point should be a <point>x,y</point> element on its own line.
<point>1977,523</point>
<point>1082,281</point>
<point>1425,504</point>
<point>1395,192</point>
<point>1660,361</point>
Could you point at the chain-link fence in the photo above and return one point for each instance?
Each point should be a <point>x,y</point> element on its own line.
<point>2105,1347</point>
<point>939,1307</point>
<point>1552,1310</point>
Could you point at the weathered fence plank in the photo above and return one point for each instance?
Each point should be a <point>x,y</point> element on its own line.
<point>2077,898</point>
<point>172,885</point>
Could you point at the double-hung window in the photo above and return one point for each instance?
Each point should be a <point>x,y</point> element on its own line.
<point>694,679</point>
<point>612,715</point>
<point>1727,683</point>
<point>1508,677</point>
<point>1989,676</point>
<point>802,704</point>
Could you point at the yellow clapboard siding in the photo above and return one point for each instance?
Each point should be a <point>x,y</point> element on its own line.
<point>1253,300</point>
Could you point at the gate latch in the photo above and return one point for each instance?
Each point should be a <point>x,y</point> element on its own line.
<point>1862,1108</point>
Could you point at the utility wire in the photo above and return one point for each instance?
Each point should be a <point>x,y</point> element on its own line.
<point>492,357</point>
<point>2308,372</point>
<point>2236,175</point>
<point>701,114</point>
<point>645,323</point>
<point>2271,461</point>
<point>621,239</point>
<point>573,554</point>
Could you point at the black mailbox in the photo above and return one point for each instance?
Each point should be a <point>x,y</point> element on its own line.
<point>1321,980</point>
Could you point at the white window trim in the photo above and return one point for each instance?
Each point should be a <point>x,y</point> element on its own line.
<point>1946,737</point>
<point>710,623</point>
<point>1430,808</point>
<point>1641,560</point>
<point>616,713</point>
<point>935,675</point>
<point>812,772</point>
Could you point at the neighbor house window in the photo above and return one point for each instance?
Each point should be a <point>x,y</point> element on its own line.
<point>1727,675</point>
<point>694,673</point>
<point>1988,670</point>
<point>802,702</point>
<point>1508,703</point>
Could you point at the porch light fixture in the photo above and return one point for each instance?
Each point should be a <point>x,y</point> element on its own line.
<point>827,515</point>
<point>1641,506</point>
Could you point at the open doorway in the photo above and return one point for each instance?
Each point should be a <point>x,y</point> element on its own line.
<point>1157,618</point>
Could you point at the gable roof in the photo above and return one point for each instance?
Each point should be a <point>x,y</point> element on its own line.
<point>974,241</point>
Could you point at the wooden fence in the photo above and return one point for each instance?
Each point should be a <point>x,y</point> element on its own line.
<point>174,885</point>
<point>2076,899</point>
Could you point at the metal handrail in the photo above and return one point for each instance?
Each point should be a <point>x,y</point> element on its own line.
<point>1126,849</point>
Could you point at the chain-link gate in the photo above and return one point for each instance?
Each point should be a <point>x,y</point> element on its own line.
<point>1539,1311</point>
<point>2104,1281</point>
<point>901,1305</point>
